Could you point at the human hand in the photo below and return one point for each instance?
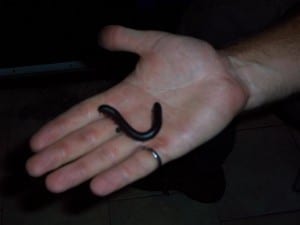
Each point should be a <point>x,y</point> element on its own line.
<point>194,84</point>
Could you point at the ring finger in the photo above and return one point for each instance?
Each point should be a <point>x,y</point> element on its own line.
<point>98,160</point>
<point>140,164</point>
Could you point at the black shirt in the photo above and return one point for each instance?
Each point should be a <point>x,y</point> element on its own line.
<point>221,22</point>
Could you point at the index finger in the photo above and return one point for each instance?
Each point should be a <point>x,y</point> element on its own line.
<point>73,119</point>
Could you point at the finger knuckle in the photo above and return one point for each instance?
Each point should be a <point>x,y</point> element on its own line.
<point>82,168</point>
<point>84,109</point>
<point>110,153</point>
<point>62,151</point>
<point>89,136</point>
<point>162,144</point>
<point>126,173</point>
<point>142,165</point>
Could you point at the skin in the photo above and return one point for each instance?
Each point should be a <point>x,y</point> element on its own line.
<point>200,89</point>
<point>268,64</point>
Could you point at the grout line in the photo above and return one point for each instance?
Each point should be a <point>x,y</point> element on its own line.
<point>293,137</point>
<point>140,197</point>
<point>1,215</point>
<point>109,212</point>
<point>218,212</point>
<point>262,215</point>
<point>259,127</point>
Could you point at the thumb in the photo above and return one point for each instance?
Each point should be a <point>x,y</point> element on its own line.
<point>118,38</point>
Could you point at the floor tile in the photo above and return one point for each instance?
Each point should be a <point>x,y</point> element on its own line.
<point>260,173</point>
<point>36,206</point>
<point>292,218</point>
<point>296,135</point>
<point>17,151</point>
<point>171,209</point>
<point>133,193</point>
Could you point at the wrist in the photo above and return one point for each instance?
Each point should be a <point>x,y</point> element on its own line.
<point>262,82</point>
<point>244,72</point>
<point>268,65</point>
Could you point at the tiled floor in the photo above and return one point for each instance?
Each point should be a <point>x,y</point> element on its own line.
<point>164,209</point>
<point>295,135</point>
<point>54,211</point>
<point>260,172</point>
<point>289,218</point>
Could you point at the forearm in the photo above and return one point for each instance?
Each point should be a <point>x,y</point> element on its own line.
<point>268,65</point>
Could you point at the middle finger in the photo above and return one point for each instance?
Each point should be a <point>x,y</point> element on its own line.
<point>100,159</point>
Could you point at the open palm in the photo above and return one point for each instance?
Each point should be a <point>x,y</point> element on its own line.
<point>192,82</point>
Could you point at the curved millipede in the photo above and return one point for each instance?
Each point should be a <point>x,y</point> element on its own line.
<point>129,130</point>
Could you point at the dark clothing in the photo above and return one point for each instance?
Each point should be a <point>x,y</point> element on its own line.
<point>222,22</point>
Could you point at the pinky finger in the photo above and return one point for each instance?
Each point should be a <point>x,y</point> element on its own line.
<point>140,164</point>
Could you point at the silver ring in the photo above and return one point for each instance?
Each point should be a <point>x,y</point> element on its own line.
<point>154,154</point>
